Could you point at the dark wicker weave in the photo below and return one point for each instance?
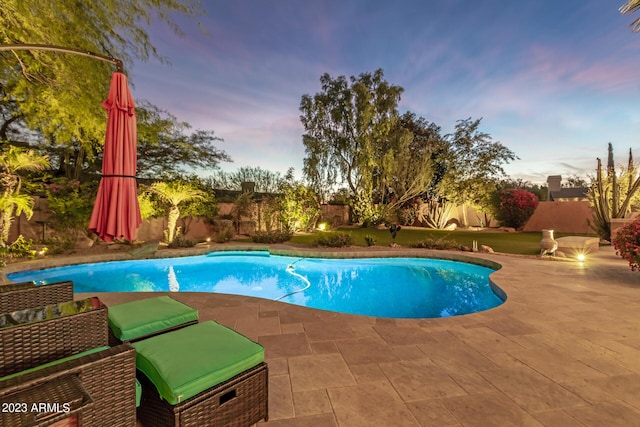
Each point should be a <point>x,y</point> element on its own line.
<point>26,346</point>
<point>240,401</point>
<point>106,378</point>
<point>106,381</point>
<point>14,297</point>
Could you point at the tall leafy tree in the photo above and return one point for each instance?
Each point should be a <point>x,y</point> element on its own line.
<point>416,154</point>
<point>474,165</point>
<point>60,94</point>
<point>169,147</point>
<point>266,181</point>
<point>348,126</point>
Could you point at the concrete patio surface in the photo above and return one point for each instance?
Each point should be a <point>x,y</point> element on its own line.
<point>563,350</point>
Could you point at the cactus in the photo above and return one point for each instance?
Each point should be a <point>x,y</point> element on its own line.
<point>609,199</point>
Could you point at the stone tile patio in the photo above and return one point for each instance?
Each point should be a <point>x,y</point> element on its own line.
<point>563,350</point>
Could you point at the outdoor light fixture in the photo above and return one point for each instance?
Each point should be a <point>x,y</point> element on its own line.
<point>581,257</point>
<point>322,226</point>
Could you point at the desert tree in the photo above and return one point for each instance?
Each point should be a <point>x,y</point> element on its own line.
<point>60,94</point>
<point>473,166</point>
<point>353,138</point>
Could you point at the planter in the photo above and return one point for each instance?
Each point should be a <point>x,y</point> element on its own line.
<point>617,223</point>
<point>548,245</point>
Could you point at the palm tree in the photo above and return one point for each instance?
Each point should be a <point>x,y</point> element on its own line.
<point>173,194</point>
<point>632,6</point>
<point>12,162</point>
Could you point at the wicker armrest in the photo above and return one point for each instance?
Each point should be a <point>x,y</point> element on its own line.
<point>21,296</point>
<point>10,287</point>
<point>33,344</point>
<point>99,386</point>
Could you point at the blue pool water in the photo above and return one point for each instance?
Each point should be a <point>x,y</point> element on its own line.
<point>384,287</point>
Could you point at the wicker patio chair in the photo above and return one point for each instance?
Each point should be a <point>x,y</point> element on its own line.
<point>99,390</point>
<point>19,296</point>
<point>98,384</point>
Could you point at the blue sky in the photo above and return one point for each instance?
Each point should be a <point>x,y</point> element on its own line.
<point>554,81</point>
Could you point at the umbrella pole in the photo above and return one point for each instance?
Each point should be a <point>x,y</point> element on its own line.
<point>116,62</point>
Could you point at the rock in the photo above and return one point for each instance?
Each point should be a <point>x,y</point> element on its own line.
<point>465,248</point>
<point>451,226</point>
<point>84,242</point>
<point>560,254</point>
<point>486,249</point>
<point>507,229</point>
<point>395,245</point>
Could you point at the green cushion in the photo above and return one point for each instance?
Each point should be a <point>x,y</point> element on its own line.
<point>138,393</point>
<point>188,361</point>
<point>55,362</point>
<point>136,319</point>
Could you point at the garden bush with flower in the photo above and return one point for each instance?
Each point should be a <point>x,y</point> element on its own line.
<point>515,206</point>
<point>627,244</point>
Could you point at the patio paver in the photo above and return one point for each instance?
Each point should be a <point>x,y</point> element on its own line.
<point>562,350</point>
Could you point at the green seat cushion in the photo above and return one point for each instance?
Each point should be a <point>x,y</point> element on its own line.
<point>136,319</point>
<point>138,393</point>
<point>55,362</point>
<point>190,360</point>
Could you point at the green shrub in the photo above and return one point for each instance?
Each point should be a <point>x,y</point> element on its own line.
<point>224,235</point>
<point>60,244</point>
<point>333,239</point>
<point>70,204</point>
<point>435,244</point>
<point>21,247</point>
<point>271,237</point>
<point>369,240</point>
<point>299,207</point>
<point>181,242</point>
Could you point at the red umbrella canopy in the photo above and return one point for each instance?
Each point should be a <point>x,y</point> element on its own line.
<point>116,213</point>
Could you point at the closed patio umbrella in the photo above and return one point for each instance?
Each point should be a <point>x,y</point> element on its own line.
<point>116,213</point>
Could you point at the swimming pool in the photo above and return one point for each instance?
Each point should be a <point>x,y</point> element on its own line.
<point>383,287</point>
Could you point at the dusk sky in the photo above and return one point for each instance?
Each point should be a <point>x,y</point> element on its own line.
<point>553,80</point>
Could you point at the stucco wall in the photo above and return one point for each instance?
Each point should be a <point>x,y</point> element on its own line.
<point>564,217</point>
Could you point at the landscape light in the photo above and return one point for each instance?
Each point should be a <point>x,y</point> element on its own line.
<point>322,226</point>
<point>581,257</point>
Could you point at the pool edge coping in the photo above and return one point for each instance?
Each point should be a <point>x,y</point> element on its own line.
<point>345,253</point>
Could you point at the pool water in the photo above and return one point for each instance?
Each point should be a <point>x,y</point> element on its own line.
<point>383,287</point>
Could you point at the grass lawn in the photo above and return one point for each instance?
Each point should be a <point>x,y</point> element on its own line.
<point>513,243</point>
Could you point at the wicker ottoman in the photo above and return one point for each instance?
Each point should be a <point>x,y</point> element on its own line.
<point>202,375</point>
